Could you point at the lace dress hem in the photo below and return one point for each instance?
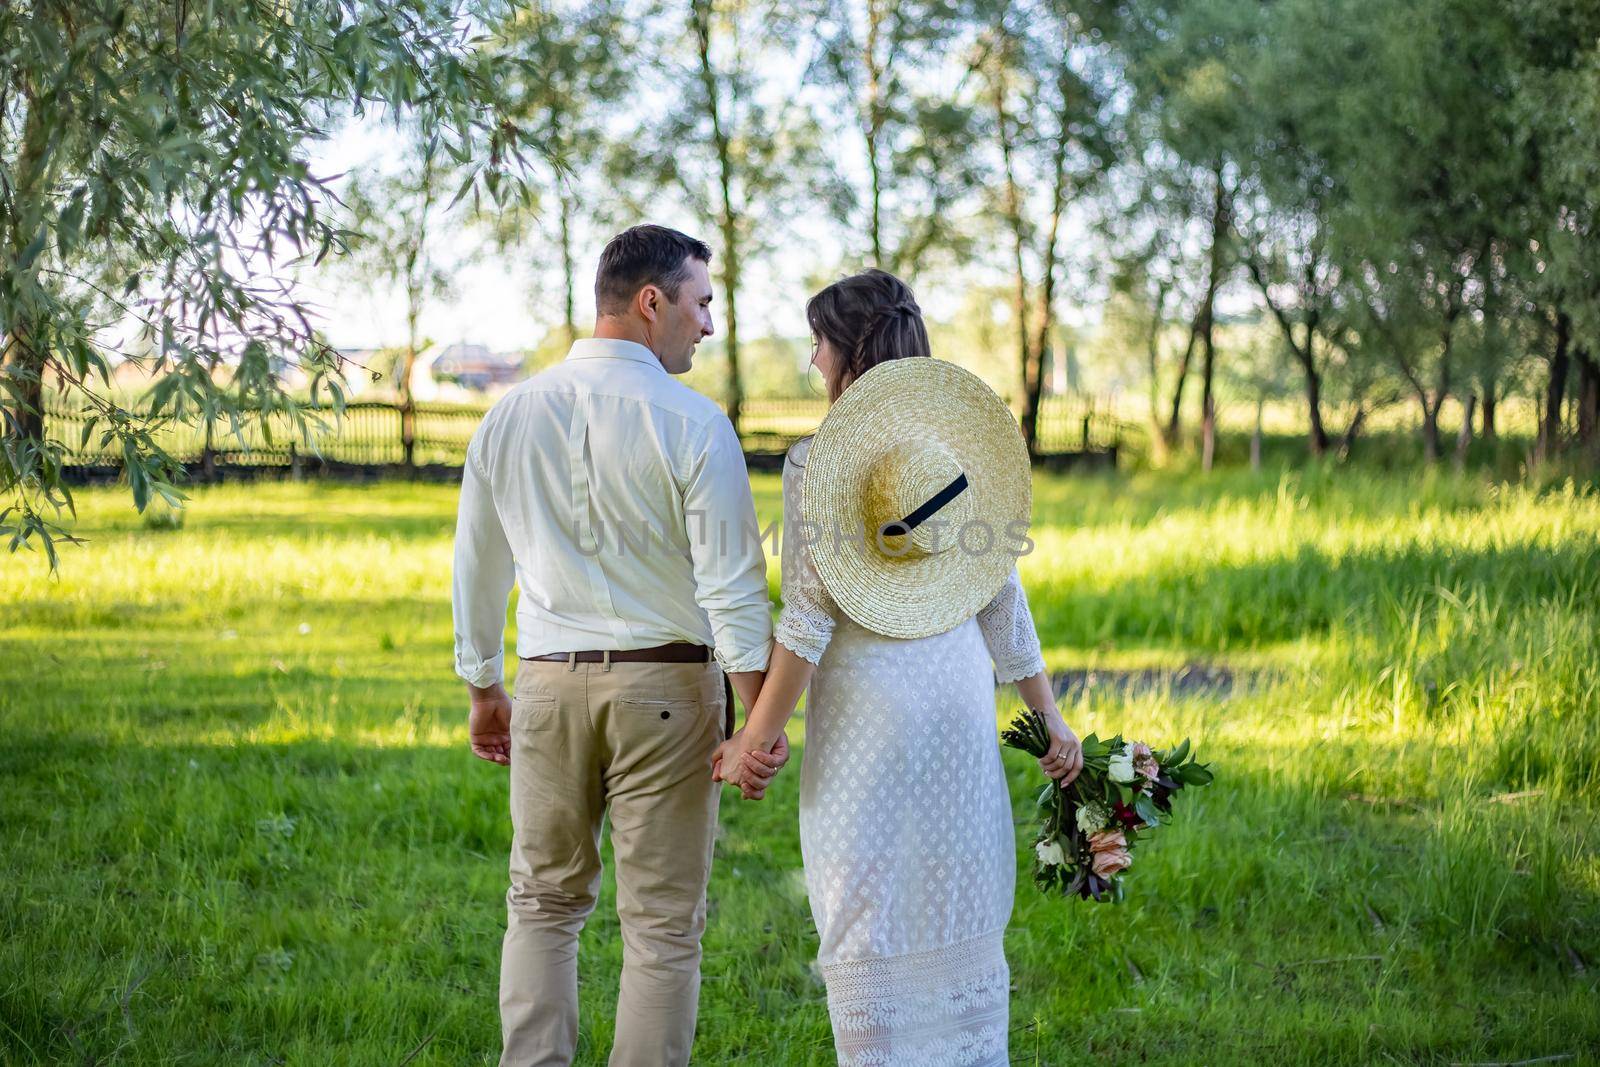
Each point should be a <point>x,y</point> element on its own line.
<point>944,1007</point>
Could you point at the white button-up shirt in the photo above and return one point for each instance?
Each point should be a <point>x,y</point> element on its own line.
<point>617,499</point>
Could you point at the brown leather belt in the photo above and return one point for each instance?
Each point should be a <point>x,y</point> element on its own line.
<point>675,652</point>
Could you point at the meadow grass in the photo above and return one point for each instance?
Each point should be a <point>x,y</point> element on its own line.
<point>239,823</point>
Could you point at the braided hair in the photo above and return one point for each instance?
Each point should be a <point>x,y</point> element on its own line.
<point>867,318</point>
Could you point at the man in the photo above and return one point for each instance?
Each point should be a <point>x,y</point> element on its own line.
<point>617,499</point>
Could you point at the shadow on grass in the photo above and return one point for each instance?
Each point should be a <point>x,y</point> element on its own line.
<point>1281,917</point>
<point>340,901</point>
<point>325,902</point>
<point>1189,682</point>
<point>1228,606</point>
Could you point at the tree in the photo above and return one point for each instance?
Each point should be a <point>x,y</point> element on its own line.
<point>1184,62</point>
<point>904,102</point>
<point>397,215</point>
<point>1309,294</point>
<point>1150,215</point>
<point>564,71</point>
<point>1044,119</point>
<point>1137,312</point>
<point>152,174</point>
<point>1555,113</point>
<point>1430,178</point>
<point>1289,186</point>
<point>736,144</point>
<point>1263,370</point>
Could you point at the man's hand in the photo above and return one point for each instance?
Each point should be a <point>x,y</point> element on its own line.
<point>748,765</point>
<point>489,724</point>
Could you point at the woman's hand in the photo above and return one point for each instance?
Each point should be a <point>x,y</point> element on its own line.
<point>1064,758</point>
<point>748,764</point>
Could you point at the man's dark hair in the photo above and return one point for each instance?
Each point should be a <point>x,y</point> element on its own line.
<point>641,256</point>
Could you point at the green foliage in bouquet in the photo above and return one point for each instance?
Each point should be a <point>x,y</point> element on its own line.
<point>1089,828</point>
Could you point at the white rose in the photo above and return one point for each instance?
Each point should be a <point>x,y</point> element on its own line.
<point>1092,817</point>
<point>1120,767</point>
<point>1050,853</point>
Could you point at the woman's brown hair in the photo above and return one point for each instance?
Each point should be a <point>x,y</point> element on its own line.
<point>868,318</point>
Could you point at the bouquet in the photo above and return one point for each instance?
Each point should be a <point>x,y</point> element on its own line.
<point>1124,791</point>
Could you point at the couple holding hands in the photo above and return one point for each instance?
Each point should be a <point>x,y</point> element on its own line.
<point>902,518</point>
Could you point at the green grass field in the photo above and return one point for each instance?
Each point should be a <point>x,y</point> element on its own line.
<point>239,823</point>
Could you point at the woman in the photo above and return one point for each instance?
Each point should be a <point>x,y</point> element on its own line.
<point>905,821</point>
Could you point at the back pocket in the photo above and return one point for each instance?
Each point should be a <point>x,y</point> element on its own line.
<point>660,709</point>
<point>533,712</point>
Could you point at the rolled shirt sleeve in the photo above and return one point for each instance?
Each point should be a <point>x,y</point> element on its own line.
<point>730,567</point>
<point>481,582</point>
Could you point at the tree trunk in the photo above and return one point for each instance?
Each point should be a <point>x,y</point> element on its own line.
<point>1255,436</point>
<point>1158,439</point>
<point>730,291</point>
<point>1348,441</point>
<point>1430,410</point>
<point>1469,408</point>
<point>22,406</point>
<point>1555,390</point>
<point>1489,431</point>
<point>22,420</point>
<point>1170,436</point>
<point>874,126</point>
<point>408,358</point>
<point>568,318</point>
<point>408,408</point>
<point>1430,431</point>
<point>728,221</point>
<point>1027,363</point>
<point>1317,440</point>
<point>1208,402</point>
<point>1044,313</point>
<point>208,455</point>
<point>1305,354</point>
<point>416,290</point>
<point>1033,322</point>
<point>1588,398</point>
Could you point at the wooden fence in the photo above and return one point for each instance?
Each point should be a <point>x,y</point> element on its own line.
<point>368,435</point>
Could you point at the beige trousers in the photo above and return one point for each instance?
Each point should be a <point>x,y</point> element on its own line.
<point>637,739</point>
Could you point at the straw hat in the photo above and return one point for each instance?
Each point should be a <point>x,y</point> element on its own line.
<point>918,481</point>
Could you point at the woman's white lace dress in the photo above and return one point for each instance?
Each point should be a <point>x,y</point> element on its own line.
<point>905,823</point>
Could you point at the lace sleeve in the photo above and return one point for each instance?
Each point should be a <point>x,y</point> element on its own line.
<point>1007,627</point>
<point>806,623</point>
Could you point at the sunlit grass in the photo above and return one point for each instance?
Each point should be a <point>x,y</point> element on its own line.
<point>238,822</point>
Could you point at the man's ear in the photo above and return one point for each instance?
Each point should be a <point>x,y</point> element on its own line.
<point>649,302</point>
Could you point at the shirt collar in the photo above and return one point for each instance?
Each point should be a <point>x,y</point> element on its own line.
<point>593,347</point>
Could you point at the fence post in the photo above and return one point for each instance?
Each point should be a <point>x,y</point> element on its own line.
<point>208,458</point>
<point>408,430</point>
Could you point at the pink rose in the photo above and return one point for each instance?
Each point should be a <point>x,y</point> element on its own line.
<point>1144,761</point>
<point>1110,850</point>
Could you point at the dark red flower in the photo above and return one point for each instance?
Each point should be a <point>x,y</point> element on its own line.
<point>1127,815</point>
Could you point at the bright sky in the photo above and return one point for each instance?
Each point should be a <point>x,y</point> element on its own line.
<point>510,304</point>
<point>507,304</point>
<point>492,305</point>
